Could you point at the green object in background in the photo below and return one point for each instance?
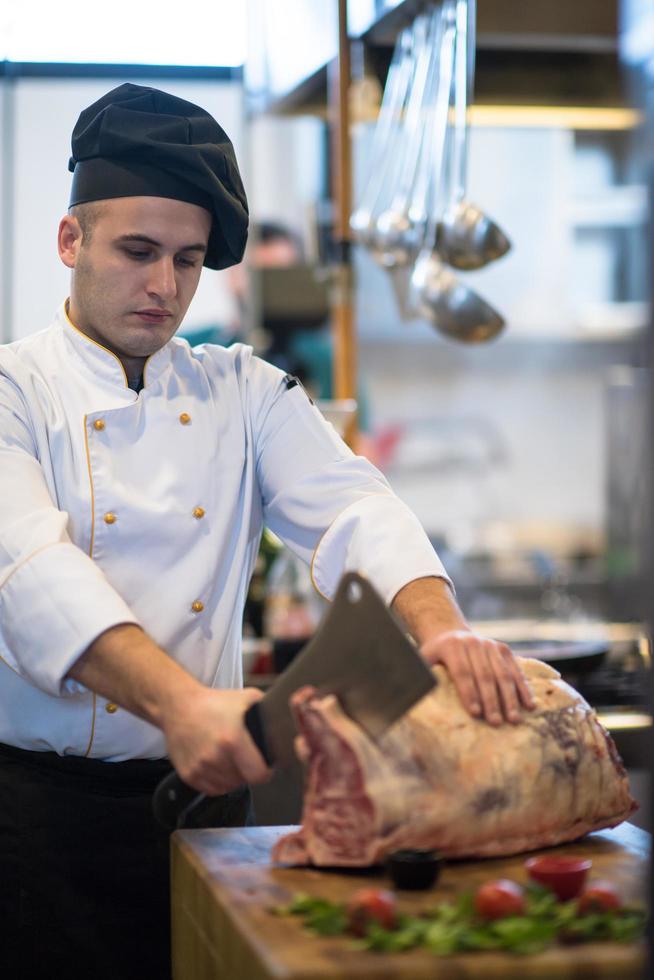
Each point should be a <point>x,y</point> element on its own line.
<point>315,350</point>
<point>211,334</point>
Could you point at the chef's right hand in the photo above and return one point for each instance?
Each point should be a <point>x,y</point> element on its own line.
<point>208,743</point>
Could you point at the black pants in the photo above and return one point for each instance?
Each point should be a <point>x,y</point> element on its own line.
<point>84,867</point>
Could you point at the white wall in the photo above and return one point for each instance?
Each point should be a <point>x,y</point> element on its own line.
<point>286,167</point>
<point>494,441</point>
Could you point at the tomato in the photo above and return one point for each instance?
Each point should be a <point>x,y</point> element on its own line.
<point>600,896</point>
<point>565,876</point>
<point>371,905</point>
<point>497,899</point>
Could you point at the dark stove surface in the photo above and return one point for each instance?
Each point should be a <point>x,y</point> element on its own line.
<point>613,686</point>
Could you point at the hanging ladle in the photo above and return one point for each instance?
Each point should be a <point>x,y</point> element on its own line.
<point>397,239</point>
<point>383,160</point>
<point>467,237</point>
<point>418,208</point>
<point>436,293</point>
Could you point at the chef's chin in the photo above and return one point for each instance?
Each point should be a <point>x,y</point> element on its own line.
<point>141,339</point>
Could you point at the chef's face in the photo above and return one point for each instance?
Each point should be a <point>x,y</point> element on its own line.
<point>136,263</point>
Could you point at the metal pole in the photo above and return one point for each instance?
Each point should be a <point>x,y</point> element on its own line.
<point>343,325</point>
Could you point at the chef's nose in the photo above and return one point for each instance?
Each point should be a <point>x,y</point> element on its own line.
<point>162,282</point>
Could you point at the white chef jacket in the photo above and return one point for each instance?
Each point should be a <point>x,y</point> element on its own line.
<point>125,507</point>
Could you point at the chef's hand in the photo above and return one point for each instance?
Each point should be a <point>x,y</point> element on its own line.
<point>208,743</point>
<point>486,674</point>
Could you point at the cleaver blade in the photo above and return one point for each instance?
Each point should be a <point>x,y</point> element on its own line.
<point>361,655</point>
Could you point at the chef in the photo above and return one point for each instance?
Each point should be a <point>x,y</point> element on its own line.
<point>136,474</point>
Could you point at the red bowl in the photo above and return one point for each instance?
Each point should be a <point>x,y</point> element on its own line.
<point>565,876</point>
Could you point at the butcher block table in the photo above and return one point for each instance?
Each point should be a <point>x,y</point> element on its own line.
<point>223,887</point>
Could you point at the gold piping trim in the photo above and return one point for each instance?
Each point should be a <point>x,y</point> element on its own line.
<point>7,664</point>
<point>88,747</point>
<point>313,558</point>
<point>8,578</point>
<point>25,561</point>
<point>88,466</point>
<point>91,341</point>
<point>325,532</point>
<point>145,366</point>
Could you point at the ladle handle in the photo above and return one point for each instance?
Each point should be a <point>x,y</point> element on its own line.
<point>462,72</point>
<point>471,48</point>
<point>397,83</point>
<point>420,195</point>
<point>446,68</point>
<point>412,122</point>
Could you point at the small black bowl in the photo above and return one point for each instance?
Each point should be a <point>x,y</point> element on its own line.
<point>414,870</point>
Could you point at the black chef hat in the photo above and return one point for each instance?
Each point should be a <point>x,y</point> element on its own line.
<point>138,141</point>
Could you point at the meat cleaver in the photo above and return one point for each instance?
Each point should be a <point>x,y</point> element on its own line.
<point>359,653</point>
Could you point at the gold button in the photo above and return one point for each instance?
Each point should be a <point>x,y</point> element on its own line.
<point>111,708</point>
<point>197,606</point>
<point>99,425</point>
<point>198,512</point>
<point>109,518</point>
<point>185,418</point>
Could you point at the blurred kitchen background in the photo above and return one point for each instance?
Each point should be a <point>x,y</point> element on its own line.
<point>524,457</point>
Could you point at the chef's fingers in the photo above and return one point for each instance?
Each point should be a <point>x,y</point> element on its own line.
<point>502,664</point>
<point>301,747</point>
<point>453,654</point>
<point>485,679</point>
<point>215,777</point>
<point>236,761</point>
<point>251,764</point>
<point>521,683</point>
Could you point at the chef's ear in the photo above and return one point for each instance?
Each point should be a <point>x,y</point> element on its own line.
<point>69,239</point>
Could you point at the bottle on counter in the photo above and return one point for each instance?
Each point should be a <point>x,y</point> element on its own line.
<point>253,613</point>
<point>293,607</point>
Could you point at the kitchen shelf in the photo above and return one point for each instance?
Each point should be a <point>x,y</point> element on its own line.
<point>307,98</point>
<point>617,207</point>
<point>538,25</point>
<point>540,53</point>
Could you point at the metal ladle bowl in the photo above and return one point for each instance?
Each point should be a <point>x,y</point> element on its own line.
<point>468,239</point>
<point>396,239</point>
<point>454,309</point>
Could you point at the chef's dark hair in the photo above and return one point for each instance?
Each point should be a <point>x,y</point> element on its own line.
<point>271,231</point>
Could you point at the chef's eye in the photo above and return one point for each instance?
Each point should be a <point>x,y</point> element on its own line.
<point>138,254</point>
<point>186,262</point>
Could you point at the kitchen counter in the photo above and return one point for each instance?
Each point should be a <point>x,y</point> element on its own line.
<point>223,890</point>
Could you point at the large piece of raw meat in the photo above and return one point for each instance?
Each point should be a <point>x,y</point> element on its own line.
<point>441,779</point>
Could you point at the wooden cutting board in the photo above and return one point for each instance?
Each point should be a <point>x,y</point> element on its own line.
<point>223,888</point>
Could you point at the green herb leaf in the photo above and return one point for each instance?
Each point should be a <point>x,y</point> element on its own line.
<point>453,927</point>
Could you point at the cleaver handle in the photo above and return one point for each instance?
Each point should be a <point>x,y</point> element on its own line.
<point>173,798</point>
<point>254,724</point>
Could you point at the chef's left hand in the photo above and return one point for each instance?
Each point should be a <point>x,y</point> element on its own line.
<point>486,674</point>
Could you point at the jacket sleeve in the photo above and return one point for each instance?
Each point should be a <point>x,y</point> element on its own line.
<point>54,600</point>
<point>332,508</point>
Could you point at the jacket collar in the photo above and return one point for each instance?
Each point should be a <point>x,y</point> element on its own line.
<point>106,367</point>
